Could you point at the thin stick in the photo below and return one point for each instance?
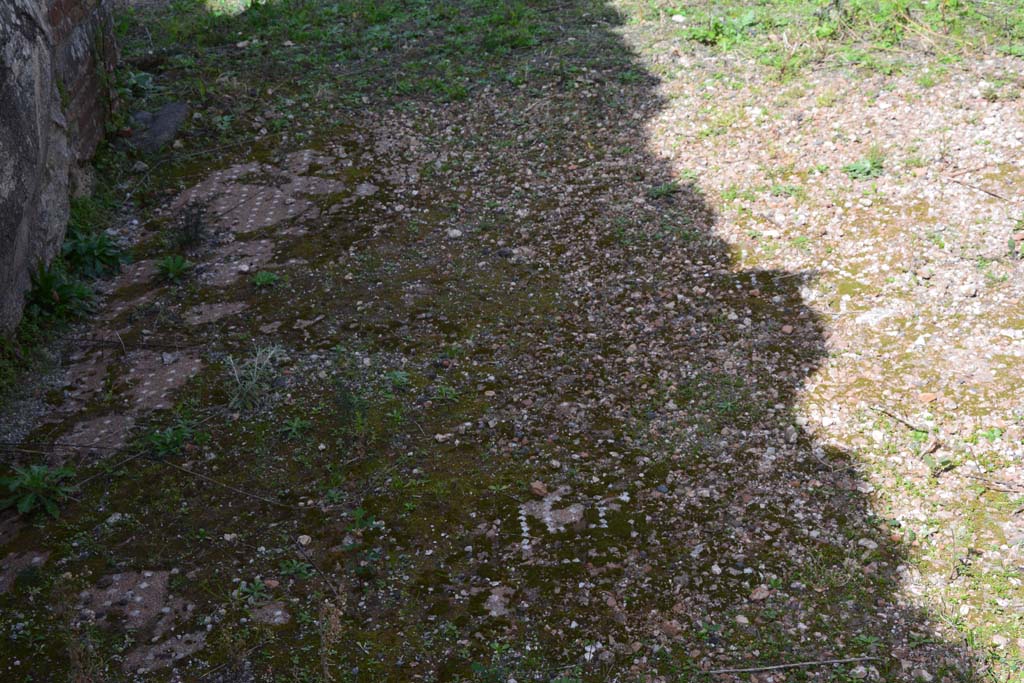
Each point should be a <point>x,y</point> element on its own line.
<point>110,470</point>
<point>979,189</point>
<point>323,577</point>
<point>228,486</point>
<point>899,418</point>
<point>819,662</point>
<point>115,343</point>
<point>123,349</point>
<point>996,485</point>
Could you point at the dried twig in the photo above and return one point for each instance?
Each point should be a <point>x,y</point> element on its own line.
<point>321,574</point>
<point>794,665</point>
<point>899,418</point>
<point>976,188</point>
<point>229,487</point>
<point>996,485</point>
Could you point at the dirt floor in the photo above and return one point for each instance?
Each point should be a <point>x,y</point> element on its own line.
<point>641,363</point>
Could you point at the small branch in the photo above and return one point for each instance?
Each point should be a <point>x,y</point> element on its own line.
<point>774,667</point>
<point>899,418</point>
<point>228,486</point>
<point>323,576</point>
<point>996,485</point>
<point>977,189</point>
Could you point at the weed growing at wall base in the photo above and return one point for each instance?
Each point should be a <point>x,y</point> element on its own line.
<point>37,487</point>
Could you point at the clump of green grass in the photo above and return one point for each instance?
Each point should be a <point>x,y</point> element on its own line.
<point>663,190</point>
<point>398,379</point>
<point>265,279</point>
<point>250,380</point>
<point>871,166</point>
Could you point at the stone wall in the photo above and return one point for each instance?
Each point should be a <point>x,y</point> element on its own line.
<point>55,57</point>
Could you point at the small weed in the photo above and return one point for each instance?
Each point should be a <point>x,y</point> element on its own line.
<point>92,255</point>
<point>937,239</point>
<point>253,592</point>
<point>780,190</point>
<point>446,393</point>
<point>173,268</point>
<point>297,569</point>
<point>171,441</point>
<point>264,279</point>
<point>399,379</point>
<point>1017,245</point>
<point>736,192</point>
<point>294,428</point>
<point>663,190</point>
<point>991,434</point>
<point>827,99</point>
<point>56,296</point>
<point>869,167</point>
<point>37,487</point>
<point>190,228</point>
<point>361,519</point>
<point>252,378</point>
<point>724,33</point>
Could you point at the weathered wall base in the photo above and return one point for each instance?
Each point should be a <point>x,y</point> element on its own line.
<point>55,56</point>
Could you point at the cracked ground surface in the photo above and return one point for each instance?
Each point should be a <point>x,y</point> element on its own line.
<point>612,375</point>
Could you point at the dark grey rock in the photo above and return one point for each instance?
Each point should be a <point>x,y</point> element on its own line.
<point>156,130</point>
<point>34,153</point>
<point>52,113</point>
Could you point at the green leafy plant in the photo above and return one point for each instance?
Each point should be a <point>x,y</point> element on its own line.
<point>300,570</point>
<point>93,255</point>
<point>55,295</point>
<point>399,379</point>
<point>173,267</point>
<point>446,393</point>
<point>264,279</point>
<point>37,487</point>
<point>253,592</point>
<point>1016,241</point>
<point>294,428</point>
<point>134,84</point>
<point>869,167</point>
<point>171,441</point>
<point>724,33</point>
<point>361,519</point>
